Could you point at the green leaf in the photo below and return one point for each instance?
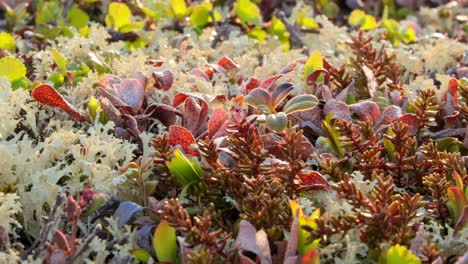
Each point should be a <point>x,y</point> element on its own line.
<point>389,147</point>
<point>247,12</point>
<point>277,27</point>
<point>457,202</point>
<point>408,35</point>
<point>200,15</point>
<point>308,221</point>
<point>360,18</point>
<point>165,243</point>
<point>140,254</point>
<point>7,41</point>
<point>184,169</point>
<point>277,122</point>
<point>77,17</point>
<point>119,15</point>
<point>332,135</point>
<point>331,10</point>
<point>257,33</point>
<point>304,21</point>
<point>179,8</point>
<point>313,63</point>
<point>355,17</point>
<point>300,103</point>
<point>57,79</point>
<point>155,9</point>
<point>368,23</point>
<point>60,60</point>
<point>48,11</point>
<point>12,68</point>
<point>399,254</point>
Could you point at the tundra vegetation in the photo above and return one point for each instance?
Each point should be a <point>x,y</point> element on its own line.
<point>241,131</point>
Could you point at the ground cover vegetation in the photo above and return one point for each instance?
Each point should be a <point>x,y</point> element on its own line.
<point>237,131</point>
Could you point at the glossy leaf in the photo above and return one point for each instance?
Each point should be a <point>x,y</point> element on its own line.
<point>300,103</point>
<point>7,41</point>
<point>165,242</point>
<point>185,170</point>
<point>399,254</point>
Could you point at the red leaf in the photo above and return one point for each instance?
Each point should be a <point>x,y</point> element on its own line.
<point>156,63</point>
<point>47,95</point>
<point>313,180</point>
<point>252,83</point>
<point>453,90</point>
<point>216,121</point>
<point>269,82</point>
<point>227,63</point>
<point>199,73</point>
<point>412,121</point>
<point>181,136</point>
<point>311,257</point>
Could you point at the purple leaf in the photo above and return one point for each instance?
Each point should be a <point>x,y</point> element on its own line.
<point>339,110</point>
<point>132,92</point>
<point>163,80</point>
<point>389,114</point>
<point>366,110</point>
<point>164,113</point>
<point>126,211</point>
<point>280,93</point>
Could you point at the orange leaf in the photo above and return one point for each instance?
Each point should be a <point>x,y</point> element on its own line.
<point>47,95</point>
<point>181,136</point>
<point>216,121</point>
